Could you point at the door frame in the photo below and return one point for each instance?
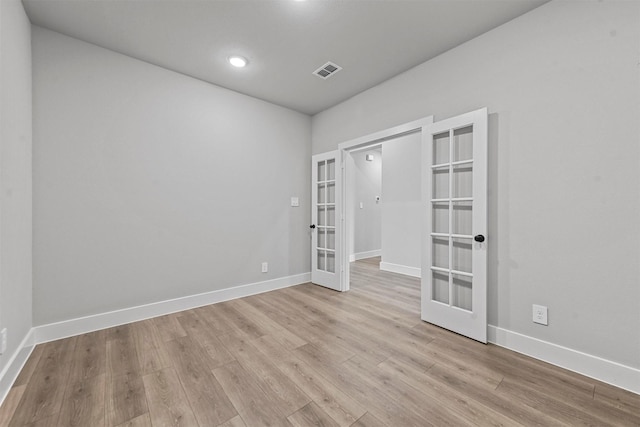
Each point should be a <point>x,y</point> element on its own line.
<point>346,149</point>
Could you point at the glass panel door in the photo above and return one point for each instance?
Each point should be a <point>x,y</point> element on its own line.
<point>325,189</point>
<point>454,264</point>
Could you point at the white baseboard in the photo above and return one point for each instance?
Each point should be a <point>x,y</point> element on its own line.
<point>591,366</point>
<point>10,372</point>
<point>83,325</point>
<point>363,255</point>
<point>401,269</point>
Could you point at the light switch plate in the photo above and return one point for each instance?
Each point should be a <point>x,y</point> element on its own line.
<point>295,202</point>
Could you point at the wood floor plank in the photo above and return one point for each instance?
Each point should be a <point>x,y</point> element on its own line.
<point>367,393</point>
<point>141,421</point>
<point>568,410</point>
<point>469,409</point>
<point>416,404</point>
<point>368,420</point>
<point>122,356</point>
<point>254,406</point>
<point>479,374</point>
<point>240,321</point>
<point>89,358</point>
<point>169,327</point>
<point>126,398</point>
<point>152,355</point>
<point>354,335</point>
<point>51,421</point>
<point>516,411</point>
<point>618,399</point>
<point>209,402</point>
<point>10,404</point>
<point>286,395</point>
<point>30,366</point>
<point>199,331</point>
<point>234,422</point>
<point>340,406</point>
<point>168,405</point>
<point>47,385</point>
<point>316,332</point>
<point>288,339</point>
<point>311,415</point>
<point>218,323</point>
<point>83,402</point>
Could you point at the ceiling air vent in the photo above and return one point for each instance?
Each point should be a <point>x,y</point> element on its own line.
<point>327,70</point>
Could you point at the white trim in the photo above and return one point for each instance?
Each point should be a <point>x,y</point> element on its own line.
<point>401,269</point>
<point>83,325</point>
<point>383,135</point>
<point>364,255</point>
<point>591,366</point>
<point>11,371</point>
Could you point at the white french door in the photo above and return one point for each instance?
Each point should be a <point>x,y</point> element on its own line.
<point>326,188</point>
<point>454,266</point>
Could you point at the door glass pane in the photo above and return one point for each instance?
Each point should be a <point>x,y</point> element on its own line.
<point>440,284</point>
<point>321,216</point>
<point>331,170</point>
<point>331,193</point>
<point>441,184</point>
<point>463,144</point>
<point>462,292</point>
<point>462,215</point>
<point>322,193</point>
<point>321,171</point>
<point>331,216</point>
<point>441,148</point>
<point>440,217</point>
<point>331,239</point>
<point>462,255</point>
<point>322,240</point>
<point>321,261</point>
<point>440,250</point>
<point>463,181</point>
<point>331,262</point>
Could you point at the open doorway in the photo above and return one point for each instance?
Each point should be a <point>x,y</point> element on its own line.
<point>399,204</point>
<point>364,203</point>
<point>383,204</point>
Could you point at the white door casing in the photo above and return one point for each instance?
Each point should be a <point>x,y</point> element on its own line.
<point>454,254</point>
<point>326,220</point>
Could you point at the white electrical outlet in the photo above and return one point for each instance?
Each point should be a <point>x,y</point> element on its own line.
<point>3,341</point>
<point>265,267</point>
<point>540,314</point>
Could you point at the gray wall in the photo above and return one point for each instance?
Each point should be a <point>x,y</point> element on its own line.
<point>563,91</point>
<point>402,203</point>
<point>368,185</point>
<point>15,175</point>
<point>150,185</point>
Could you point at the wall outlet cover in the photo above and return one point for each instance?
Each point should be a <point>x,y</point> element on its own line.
<point>540,314</point>
<point>3,341</point>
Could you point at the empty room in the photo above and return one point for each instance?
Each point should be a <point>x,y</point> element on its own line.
<point>249,213</point>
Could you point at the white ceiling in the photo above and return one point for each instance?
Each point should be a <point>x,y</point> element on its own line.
<point>284,40</point>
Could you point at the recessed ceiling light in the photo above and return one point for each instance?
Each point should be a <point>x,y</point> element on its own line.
<point>237,61</point>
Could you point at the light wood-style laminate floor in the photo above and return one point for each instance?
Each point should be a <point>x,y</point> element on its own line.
<point>302,356</point>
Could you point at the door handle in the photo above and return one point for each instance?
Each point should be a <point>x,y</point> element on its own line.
<point>312,226</point>
<point>479,238</point>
